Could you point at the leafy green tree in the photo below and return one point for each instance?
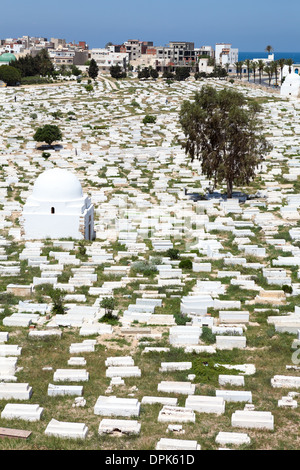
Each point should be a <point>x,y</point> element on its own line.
<point>10,75</point>
<point>223,131</point>
<point>30,66</point>
<point>219,72</point>
<point>117,72</point>
<point>108,303</point>
<point>57,297</point>
<point>168,74</point>
<point>153,73</point>
<point>44,63</point>
<point>93,69</point>
<point>75,71</point>
<point>182,73</point>
<point>48,133</point>
<point>144,73</point>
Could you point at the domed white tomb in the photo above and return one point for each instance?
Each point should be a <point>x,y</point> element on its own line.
<point>291,85</point>
<point>57,208</point>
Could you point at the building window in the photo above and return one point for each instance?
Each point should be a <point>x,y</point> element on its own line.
<point>52,210</point>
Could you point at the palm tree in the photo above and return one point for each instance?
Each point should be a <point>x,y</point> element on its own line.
<point>248,65</point>
<point>254,67</point>
<point>269,49</point>
<point>237,68</point>
<point>269,72</point>
<point>274,68</point>
<point>261,66</point>
<point>281,63</point>
<point>289,62</point>
<point>241,68</point>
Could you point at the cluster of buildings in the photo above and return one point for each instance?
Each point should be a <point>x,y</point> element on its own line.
<point>137,53</point>
<point>60,51</point>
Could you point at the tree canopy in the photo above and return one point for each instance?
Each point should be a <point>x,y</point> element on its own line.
<point>30,66</point>
<point>10,75</point>
<point>93,69</point>
<point>117,72</point>
<point>48,133</point>
<point>223,131</point>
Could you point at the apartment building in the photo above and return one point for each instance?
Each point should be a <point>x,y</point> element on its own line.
<point>105,58</point>
<point>225,54</point>
<point>135,48</point>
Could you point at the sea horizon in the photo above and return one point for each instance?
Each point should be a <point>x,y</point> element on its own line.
<point>264,55</point>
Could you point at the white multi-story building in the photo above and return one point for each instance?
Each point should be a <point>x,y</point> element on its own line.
<point>105,59</point>
<point>225,54</point>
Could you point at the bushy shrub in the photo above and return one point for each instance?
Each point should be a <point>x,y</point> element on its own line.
<point>186,264</point>
<point>35,80</point>
<point>109,304</point>
<point>146,267</point>
<point>46,155</point>
<point>148,119</point>
<point>207,335</point>
<point>287,289</point>
<point>173,253</point>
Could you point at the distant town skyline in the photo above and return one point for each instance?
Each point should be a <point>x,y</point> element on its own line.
<point>248,27</point>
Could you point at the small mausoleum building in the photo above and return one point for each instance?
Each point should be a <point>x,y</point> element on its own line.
<point>57,208</point>
<point>291,85</point>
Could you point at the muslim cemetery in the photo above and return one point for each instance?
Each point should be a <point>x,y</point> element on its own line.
<point>139,308</point>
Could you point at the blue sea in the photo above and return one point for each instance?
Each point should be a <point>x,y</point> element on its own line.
<point>264,55</point>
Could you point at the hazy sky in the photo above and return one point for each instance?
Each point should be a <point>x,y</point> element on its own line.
<point>249,26</point>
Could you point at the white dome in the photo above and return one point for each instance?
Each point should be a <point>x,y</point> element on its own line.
<point>57,185</point>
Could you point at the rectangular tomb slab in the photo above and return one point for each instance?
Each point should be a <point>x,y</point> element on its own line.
<point>205,404</point>
<point>25,412</point>
<point>71,375</point>
<point>170,366</point>
<point>253,419</point>
<point>119,361</point>
<point>185,388</point>
<point>10,350</point>
<point>230,342</point>
<point>61,390</point>
<point>285,381</point>
<point>119,426</point>
<point>66,429</point>
<point>235,395</point>
<point>114,406</point>
<point>127,371</point>
<point>177,444</point>
<point>237,380</point>
<point>162,400</point>
<point>176,414</point>
<point>235,438</point>
<point>15,391</point>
